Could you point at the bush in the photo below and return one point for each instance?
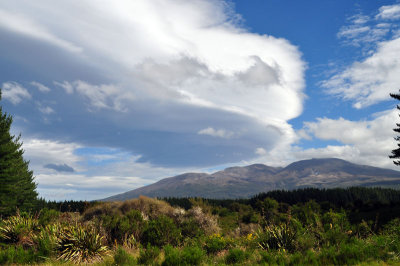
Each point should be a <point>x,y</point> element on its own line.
<point>172,256</point>
<point>149,207</point>
<point>46,242</point>
<point>121,257</point>
<point>160,232</point>
<point>149,255</point>
<point>120,228</point>
<point>48,216</point>
<point>19,230</point>
<point>19,255</point>
<point>191,229</point>
<point>206,222</point>
<point>236,255</point>
<point>277,237</point>
<point>215,243</point>
<point>188,256</point>
<point>81,245</point>
<point>275,257</point>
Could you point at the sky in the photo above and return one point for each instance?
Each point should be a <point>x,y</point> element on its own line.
<point>109,96</point>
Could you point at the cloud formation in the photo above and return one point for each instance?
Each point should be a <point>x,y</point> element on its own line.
<point>371,79</point>
<point>59,167</point>
<point>367,141</point>
<point>148,76</point>
<point>389,12</point>
<point>14,92</point>
<point>220,133</point>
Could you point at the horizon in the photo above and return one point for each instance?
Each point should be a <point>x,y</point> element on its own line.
<point>111,97</point>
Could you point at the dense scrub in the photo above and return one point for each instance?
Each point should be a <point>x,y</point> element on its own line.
<point>309,227</point>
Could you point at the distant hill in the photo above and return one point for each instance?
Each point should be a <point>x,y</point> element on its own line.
<point>243,182</point>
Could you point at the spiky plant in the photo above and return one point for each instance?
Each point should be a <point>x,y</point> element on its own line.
<point>280,236</point>
<point>80,245</point>
<point>19,230</point>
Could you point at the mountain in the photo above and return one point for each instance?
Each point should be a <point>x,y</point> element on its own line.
<point>242,182</point>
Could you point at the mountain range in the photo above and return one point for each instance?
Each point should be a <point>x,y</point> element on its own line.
<point>247,181</point>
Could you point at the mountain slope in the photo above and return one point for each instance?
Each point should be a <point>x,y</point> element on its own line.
<point>241,182</point>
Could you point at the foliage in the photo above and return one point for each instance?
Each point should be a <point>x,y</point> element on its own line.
<point>121,257</point>
<point>80,245</point>
<point>123,228</point>
<point>161,231</point>
<point>236,255</point>
<point>48,216</point>
<point>396,152</point>
<point>19,230</point>
<point>186,256</point>
<point>215,243</point>
<point>308,232</point>
<point>17,186</point>
<point>17,254</point>
<point>281,236</point>
<point>149,255</point>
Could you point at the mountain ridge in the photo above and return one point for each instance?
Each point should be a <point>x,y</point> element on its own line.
<point>246,181</point>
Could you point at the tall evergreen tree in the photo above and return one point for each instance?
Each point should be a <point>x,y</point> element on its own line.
<point>17,187</point>
<point>396,152</point>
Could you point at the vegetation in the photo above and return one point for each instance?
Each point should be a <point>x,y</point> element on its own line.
<point>301,227</point>
<point>17,188</point>
<point>396,152</point>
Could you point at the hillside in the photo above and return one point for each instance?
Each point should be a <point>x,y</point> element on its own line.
<point>242,182</point>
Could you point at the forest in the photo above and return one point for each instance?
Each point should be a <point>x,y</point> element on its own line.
<point>301,227</point>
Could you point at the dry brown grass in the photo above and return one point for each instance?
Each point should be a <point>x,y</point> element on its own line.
<point>149,207</point>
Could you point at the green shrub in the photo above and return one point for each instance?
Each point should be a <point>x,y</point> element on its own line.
<point>236,255</point>
<point>46,243</point>
<point>119,228</point>
<point>187,256</point>
<point>191,229</point>
<point>274,257</point>
<point>19,230</point>
<point>281,236</point>
<point>149,255</point>
<point>121,257</point>
<point>18,255</point>
<point>48,216</point>
<point>304,258</point>
<point>81,245</point>
<point>172,256</point>
<point>160,232</point>
<point>215,243</point>
<point>192,255</point>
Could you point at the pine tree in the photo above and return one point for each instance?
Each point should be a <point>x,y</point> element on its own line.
<point>17,186</point>
<point>396,152</point>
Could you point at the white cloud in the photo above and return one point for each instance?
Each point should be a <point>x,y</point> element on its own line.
<point>389,12</point>
<point>40,86</point>
<point>234,69</point>
<point>363,31</point>
<point>46,110</point>
<point>41,152</point>
<point>220,133</point>
<point>21,24</point>
<point>365,141</point>
<point>260,151</point>
<point>68,87</point>
<point>14,92</point>
<point>371,80</point>
<point>171,66</point>
<point>100,96</point>
<point>97,174</point>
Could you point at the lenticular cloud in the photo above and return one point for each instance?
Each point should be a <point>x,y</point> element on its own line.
<point>191,54</point>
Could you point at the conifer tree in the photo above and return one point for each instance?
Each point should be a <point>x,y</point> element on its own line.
<point>396,152</point>
<point>17,187</point>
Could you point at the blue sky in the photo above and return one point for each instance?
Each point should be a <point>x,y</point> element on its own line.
<point>113,96</point>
